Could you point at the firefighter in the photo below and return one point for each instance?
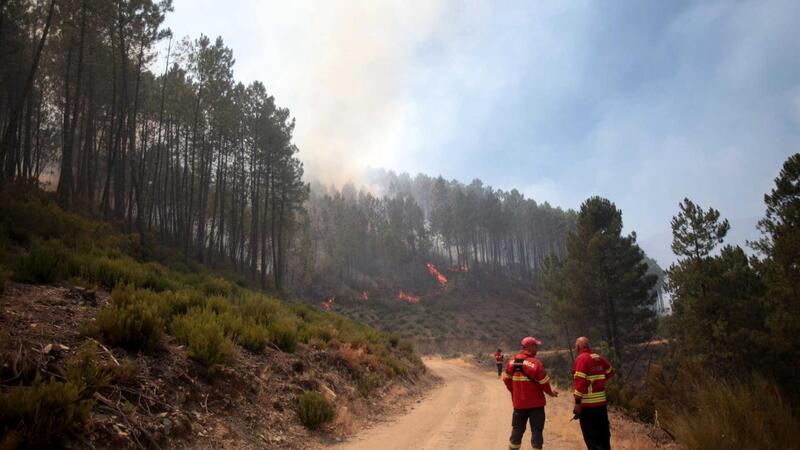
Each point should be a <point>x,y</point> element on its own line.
<point>499,358</point>
<point>527,381</point>
<point>590,374</point>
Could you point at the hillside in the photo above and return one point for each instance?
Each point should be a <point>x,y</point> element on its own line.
<point>107,342</point>
<point>473,313</point>
<point>448,265</point>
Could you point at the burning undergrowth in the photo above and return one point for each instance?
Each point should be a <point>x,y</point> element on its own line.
<point>401,295</point>
<point>471,311</point>
<point>436,274</point>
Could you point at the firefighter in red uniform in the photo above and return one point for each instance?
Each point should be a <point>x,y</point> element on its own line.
<point>590,374</point>
<point>527,381</point>
<point>499,359</point>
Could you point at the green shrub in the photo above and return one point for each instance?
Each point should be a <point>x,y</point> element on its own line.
<point>315,331</point>
<point>407,347</point>
<point>45,263</point>
<point>632,398</point>
<point>33,218</point>
<point>110,272</point>
<point>180,302</point>
<point>392,365</point>
<point>252,336</point>
<point>218,304</point>
<point>126,372</point>
<point>750,414</point>
<point>37,416</point>
<point>316,343</point>
<point>314,409</point>
<point>217,286</point>
<point>368,383</point>
<point>87,372</point>
<point>244,331</point>
<point>133,319</point>
<point>203,336</point>
<point>262,309</point>
<point>284,335</point>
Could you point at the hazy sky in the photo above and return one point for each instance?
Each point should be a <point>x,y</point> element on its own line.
<point>643,102</point>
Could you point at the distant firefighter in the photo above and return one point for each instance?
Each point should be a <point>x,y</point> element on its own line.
<point>499,358</point>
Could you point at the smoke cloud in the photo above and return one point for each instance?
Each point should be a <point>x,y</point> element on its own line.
<point>338,65</point>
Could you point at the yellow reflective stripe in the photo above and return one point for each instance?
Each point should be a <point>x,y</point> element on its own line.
<point>595,394</point>
<point>579,374</point>
<point>596,377</point>
<point>595,356</point>
<point>544,380</point>
<point>609,370</point>
<point>596,397</point>
<point>512,445</point>
<point>577,393</point>
<point>520,378</point>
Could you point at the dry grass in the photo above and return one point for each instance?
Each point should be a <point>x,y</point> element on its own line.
<point>749,414</point>
<point>628,434</point>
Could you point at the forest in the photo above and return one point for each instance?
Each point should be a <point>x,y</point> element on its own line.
<point>187,156</point>
<point>360,236</point>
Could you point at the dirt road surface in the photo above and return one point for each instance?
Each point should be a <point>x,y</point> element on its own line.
<point>472,410</point>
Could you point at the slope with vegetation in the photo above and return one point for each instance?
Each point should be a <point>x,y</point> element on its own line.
<point>721,370</point>
<point>199,161</point>
<point>466,317</point>
<point>174,353</point>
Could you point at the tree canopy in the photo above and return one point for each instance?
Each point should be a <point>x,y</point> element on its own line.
<point>602,287</point>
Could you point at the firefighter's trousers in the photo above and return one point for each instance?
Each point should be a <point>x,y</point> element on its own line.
<point>518,422</point>
<point>594,425</point>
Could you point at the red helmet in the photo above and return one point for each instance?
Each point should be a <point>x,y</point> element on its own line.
<point>528,341</point>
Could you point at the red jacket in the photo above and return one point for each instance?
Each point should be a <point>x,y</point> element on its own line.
<point>527,381</point>
<point>498,357</point>
<point>590,373</point>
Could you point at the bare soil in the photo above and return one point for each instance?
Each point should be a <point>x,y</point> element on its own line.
<point>471,409</point>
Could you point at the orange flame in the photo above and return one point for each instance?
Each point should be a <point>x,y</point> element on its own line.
<point>439,277</point>
<point>327,304</point>
<point>407,298</point>
<point>364,295</point>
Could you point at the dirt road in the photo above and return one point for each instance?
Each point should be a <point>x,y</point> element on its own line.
<point>472,410</point>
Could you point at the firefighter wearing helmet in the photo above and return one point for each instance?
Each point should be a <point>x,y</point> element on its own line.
<point>499,359</point>
<point>527,381</point>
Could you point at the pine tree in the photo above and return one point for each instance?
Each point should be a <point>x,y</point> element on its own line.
<point>780,244</point>
<point>602,288</point>
<point>716,298</point>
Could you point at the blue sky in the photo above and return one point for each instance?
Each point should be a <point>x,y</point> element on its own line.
<point>643,102</point>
